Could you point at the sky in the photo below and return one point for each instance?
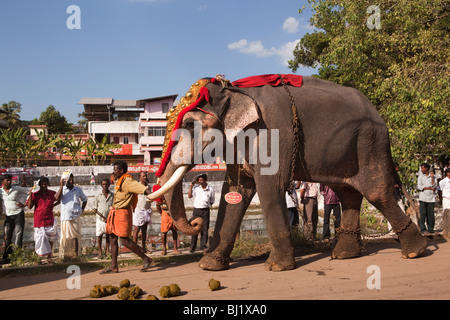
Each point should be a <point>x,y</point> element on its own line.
<point>55,52</point>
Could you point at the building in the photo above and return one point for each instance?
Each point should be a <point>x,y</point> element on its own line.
<point>138,126</point>
<point>152,127</point>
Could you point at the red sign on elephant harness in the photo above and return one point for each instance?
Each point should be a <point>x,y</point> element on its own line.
<point>233,197</point>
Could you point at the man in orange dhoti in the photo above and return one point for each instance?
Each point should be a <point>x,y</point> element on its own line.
<point>166,223</point>
<point>120,218</point>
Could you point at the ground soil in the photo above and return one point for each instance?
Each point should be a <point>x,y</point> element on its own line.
<point>316,276</point>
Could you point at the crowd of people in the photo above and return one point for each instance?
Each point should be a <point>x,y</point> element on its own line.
<point>125,212</point>
<point>121,215</point>
<point>309,194</point>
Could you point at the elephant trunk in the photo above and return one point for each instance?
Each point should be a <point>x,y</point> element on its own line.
<point>172,187</point>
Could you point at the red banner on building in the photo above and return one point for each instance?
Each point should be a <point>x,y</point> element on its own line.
<point>123,150</point>
<point>199,167</point>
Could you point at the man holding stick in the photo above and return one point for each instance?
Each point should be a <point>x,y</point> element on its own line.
<point>120,218</point>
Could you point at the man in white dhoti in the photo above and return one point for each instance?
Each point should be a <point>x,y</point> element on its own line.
<point>45,232</point>
<point>73,202</point>
<point>141,214</point>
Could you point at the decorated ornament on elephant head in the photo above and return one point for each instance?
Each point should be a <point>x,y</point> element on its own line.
<point>191,100</point>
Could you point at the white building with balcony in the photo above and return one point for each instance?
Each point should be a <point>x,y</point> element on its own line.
<point>138,126</point>
<point>152,127</point>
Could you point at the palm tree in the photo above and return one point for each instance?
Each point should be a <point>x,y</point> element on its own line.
<point>104,148</point>
<point>97,151</point>
<point>74,149</point>
<point>62,144</point>
<point>90,146</point>
<point>11,115</point>
<point>13,142</point>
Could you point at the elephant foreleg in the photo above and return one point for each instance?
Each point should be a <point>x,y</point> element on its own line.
<point>273,205</point>
<point>229,218</point>
<point>349,234</point>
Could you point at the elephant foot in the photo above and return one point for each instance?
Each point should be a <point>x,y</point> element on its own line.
<point>348,244</point>
<point>214,262</point>
<point>413,243</point>
<point>280,263</point>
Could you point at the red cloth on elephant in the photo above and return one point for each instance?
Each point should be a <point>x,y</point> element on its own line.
<point>269,79</point>
<point>154,189</point>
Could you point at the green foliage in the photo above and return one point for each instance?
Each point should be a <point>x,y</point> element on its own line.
<point>22,256</point>
<point>11,114</point>
<point>370,216</point>
<point>14,143</point>
<point>56,123</point>
<point>402,67</point>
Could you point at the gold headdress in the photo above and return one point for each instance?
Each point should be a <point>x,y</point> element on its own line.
<point>188,102</point>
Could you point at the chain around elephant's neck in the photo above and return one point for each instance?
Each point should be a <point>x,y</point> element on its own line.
<point>296,129</point>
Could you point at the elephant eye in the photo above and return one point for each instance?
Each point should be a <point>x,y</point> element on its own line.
<point>188,124</point>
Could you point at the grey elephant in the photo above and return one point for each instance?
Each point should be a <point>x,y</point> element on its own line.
<point>324,132</point>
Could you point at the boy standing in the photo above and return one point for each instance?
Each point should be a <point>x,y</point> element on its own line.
<point>102,204</point>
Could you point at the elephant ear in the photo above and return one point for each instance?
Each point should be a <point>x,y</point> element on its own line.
<point>242,111</point>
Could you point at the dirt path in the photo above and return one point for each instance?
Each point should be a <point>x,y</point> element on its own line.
<point>315,277</point>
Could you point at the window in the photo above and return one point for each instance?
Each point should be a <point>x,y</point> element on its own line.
<point>165,107</point>
<point>157,131</point>
<point>125,140</point>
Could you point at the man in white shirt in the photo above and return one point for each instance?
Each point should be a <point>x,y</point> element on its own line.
<point>14,199</point>
<point>203,199</point>
<point>308,195</point>
<point>444,190</point>
<point>142,214</point>
<point>73,202</point>
<point>426,185</point>
<point>292,205</point>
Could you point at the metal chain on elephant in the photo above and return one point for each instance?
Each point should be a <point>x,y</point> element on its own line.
<point>218,258</point>
<point>354,233</point>
<point>296,129</point>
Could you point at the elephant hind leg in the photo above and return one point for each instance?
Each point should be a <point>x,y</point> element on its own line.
<point>412,242</point>
<point>349,234</point>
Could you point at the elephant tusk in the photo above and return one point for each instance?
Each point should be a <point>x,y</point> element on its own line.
<point>173,181</point>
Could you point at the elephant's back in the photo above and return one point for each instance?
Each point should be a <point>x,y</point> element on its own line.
<point>340,126</point>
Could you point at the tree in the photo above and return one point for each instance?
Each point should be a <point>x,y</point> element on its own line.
<point>62,144</point>
<point>401,65</point>
<point>11,115</point>
<point>99,150</point>
<point>56,123</point>
<point>13,143</point>
<point>83,122</point>
<point>74,149</point>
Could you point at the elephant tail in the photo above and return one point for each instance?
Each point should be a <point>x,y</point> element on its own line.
<point>407,195</point>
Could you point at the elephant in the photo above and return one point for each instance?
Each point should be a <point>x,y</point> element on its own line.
<point>339,140</point>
